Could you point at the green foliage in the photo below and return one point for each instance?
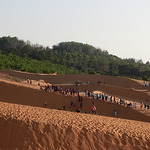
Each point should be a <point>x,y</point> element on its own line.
<point>14,62</point>
<point>67,57</point>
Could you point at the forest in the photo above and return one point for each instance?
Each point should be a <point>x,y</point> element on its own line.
<point>67,58</point>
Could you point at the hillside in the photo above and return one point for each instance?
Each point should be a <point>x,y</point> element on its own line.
<point>67,58</point>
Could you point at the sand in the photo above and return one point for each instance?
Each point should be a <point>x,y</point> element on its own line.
<point>63,79</point>
<point>19,94</point>
<point>25,123</point>
<point>118,86</point>
<point>25,127</point>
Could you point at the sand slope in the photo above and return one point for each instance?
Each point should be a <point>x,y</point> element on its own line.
<point>118,86</point>
<point>25,127</point>
<point>63,79</point>
<point>33,97</point>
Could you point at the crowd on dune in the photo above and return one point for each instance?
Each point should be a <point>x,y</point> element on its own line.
<point>92,95</point>
<point>146,84</point>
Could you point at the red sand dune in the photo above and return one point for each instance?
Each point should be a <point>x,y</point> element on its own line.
<point>117,86</point>
<point>33,97</point>
<point>24,124</point>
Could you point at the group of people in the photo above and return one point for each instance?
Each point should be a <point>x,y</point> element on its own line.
<point>29,81</point>
<point>75,92</point>
<point>90,94</point>
<point>78,83</point>
<point>146,84</point>
<point>66,92</point>
<point>113,99</point>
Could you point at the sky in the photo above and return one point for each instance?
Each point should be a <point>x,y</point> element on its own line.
<point>122,27</point>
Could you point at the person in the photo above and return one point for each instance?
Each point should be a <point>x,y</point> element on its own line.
<point>45,103</point>
<point>30,81</point>
<point>79,98</point>
<point>134,105</point>
<point>78,110</point>
<point>38,83</point>
<point>93,103</point>
<point>93,109</point>
<point>71,104</point>
<point>64,107</point>
<point>115,100</point>
<point>145,106</point>
<point>115,112</point>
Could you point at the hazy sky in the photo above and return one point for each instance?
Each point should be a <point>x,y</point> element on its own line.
<point>122,27</point>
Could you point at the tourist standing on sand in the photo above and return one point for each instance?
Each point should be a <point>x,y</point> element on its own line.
<point>38,83</point>
<point>71,104</point>
<point>115,112</point>
<point>45,103</point>
<point>28,80</point>
<point>93,109</point>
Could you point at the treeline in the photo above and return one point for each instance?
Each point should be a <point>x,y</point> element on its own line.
<point>71,57</point>
<point>26,64</point>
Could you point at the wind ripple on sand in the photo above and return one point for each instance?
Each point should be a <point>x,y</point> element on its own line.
<point>55,129</point>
